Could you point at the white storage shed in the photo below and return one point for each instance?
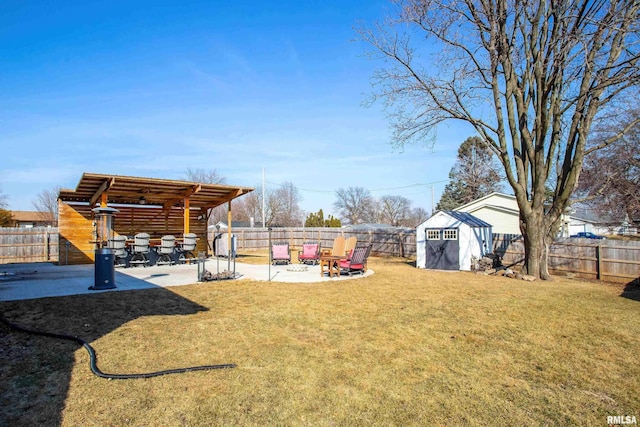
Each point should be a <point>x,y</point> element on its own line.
<point>449,239</point>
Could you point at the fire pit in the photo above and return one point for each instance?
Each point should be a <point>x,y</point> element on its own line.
<point>297,268</point>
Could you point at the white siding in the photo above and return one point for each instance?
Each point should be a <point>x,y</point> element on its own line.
<point>502,222</point>
<point>577,226</point>
<point>494,199</point>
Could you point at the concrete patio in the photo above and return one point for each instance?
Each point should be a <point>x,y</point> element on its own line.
<point>39,280</point>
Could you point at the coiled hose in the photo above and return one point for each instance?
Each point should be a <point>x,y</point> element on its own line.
<point>93,357</point>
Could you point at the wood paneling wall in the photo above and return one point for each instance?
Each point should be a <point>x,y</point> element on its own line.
<point>75,225</point>
<point>77,231</point>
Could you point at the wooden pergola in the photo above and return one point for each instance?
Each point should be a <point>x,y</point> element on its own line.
<point>150,205</point>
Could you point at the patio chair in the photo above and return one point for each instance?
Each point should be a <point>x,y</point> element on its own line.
<point>349,245</point>
<point>120,252</point>
<point>310,253</point>
<point>338,247</point>
<point>140,252</point>
<point>167,250</point>
<point>358,261</point>
<point>187,247</point>
<point>280,253</point>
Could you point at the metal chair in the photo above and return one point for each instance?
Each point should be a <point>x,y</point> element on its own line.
<point>140,253</point>
<point>358,261</point>
<point>187,247</point>
<point>280,253</point>
<point>310,253</point>
<point>119,246</point>
<point>167,250</point>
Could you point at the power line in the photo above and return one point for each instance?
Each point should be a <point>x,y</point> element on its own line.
<point>371,190</point>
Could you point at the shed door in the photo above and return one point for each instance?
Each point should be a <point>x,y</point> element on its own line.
<point>442,249</point>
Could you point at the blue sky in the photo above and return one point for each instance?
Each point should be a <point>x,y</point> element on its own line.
<point>153,88</point>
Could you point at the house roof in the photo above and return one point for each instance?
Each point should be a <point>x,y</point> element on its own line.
<point>238,224</point>
<point>467,218</point>
<point>130,190</point>
<point>372,226</point>
<point>29,216</point>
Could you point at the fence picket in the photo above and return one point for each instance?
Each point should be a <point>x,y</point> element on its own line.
<point>37,244</point>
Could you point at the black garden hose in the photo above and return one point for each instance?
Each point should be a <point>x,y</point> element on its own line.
<point>93,356</point>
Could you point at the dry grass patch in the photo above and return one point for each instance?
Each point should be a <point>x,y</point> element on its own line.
<point>401,347</point>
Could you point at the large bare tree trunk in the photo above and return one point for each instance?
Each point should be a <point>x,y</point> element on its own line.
<point>538,231</point>
<point>532,227</point>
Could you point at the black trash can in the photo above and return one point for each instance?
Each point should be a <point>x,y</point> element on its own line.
<point>104,269</point>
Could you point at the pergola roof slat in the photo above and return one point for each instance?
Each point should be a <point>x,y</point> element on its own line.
<point>128,190</point>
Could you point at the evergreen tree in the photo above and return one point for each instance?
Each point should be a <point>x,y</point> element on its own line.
<point>332,222</point>
<point>5,218</point>
<point>475,174</point>
<point>317,220</point>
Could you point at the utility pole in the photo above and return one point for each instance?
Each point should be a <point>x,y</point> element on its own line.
<point>264,218</point>
<point>433,199</point>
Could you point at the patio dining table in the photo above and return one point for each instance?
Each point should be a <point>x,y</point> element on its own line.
<point>332,262</point>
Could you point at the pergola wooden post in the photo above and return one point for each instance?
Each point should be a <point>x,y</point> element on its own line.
<point>229,229</point>
<point>186,215</point>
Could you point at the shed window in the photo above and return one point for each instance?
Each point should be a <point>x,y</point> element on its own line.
<point>433,234</point>
<point>451,234</point>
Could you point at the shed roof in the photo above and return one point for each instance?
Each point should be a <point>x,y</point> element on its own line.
<point>128,190</point>
<point>467,218</point>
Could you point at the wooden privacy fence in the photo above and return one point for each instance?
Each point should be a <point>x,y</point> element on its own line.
<point>38,244</point>
<point>608,260</point>
<point>386,242</point>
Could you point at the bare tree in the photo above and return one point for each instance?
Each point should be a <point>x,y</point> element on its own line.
<point>5,214</point>
<point>4,200</point>
<point>290,213</point>
<point>416,217</point>
<point>394,210</point>
<point>250,206</point>
<point>529,76</point>
<point>47,204</point>
<point>610,181</point>
<point>211,176</point>
<point>355,205</point>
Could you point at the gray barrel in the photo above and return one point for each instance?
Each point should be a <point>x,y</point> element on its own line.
<point>104,269</point>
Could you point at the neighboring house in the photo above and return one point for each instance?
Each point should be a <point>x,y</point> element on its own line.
<point>583,219</point>
<point>502,212</point>
<point>450,240</point>
<point>29,219</point>
<point>576,225</point>
<point>372,226</point>
<point>498,209</point>
<point>237,224</point>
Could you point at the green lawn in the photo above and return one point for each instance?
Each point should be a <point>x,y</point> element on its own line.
<point>402,347</point>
